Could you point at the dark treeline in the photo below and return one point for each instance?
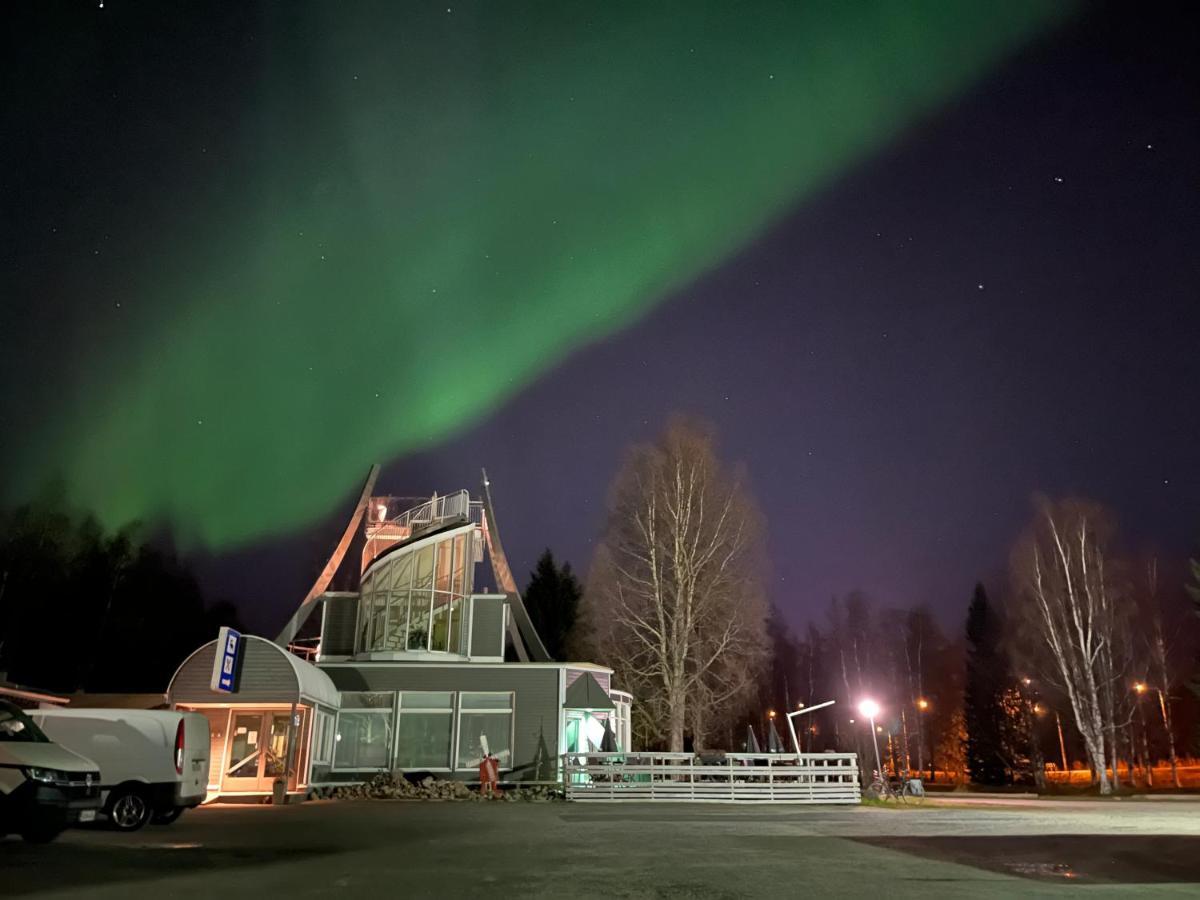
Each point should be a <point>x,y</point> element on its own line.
<point>899,658</point>
<point>1084,661</point>
<point>85,609</point>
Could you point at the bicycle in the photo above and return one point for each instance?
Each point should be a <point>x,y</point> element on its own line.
<point>907,790</point>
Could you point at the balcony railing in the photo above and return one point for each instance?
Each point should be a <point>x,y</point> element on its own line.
<point>394,520</point>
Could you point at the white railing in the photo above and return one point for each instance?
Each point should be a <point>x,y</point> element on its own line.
<point>388,512</point>
<point>734,778</point>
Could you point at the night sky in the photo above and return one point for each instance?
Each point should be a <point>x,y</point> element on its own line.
<point>913,266</point>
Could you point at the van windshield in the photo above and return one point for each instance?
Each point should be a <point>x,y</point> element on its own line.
<point>16,726</point>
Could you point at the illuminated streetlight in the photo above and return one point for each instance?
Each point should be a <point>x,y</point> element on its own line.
<point>1140,688</point>
<point>870,709</point>
<point>922,704</point>
<point>1027,681</point>
<point>770,714</point>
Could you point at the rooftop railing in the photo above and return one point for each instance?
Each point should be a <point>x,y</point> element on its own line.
<point>392,514</point>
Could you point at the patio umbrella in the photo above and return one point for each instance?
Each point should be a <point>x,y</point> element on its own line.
<point>752,741</point>
<point>608,743</point>
<point>774,741</point>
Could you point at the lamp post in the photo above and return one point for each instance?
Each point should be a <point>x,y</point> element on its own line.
<point>870,709</point>
<point>1140,689</point>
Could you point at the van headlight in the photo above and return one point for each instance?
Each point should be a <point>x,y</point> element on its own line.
<point>46,776</point>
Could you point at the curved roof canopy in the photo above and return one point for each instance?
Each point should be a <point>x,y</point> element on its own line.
<point>269,674</point>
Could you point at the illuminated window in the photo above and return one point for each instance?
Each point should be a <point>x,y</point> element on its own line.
<point>414,599</point>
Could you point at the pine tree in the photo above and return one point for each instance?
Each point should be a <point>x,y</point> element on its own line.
<point>552,599</point>
<point>987,680</point>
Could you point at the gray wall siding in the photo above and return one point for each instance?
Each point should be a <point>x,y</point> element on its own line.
<point>337,638</point>
<point>487,627</point>
<point>266,677</point>
<point>535,710</point>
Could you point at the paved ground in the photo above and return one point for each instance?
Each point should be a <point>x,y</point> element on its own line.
<point>368,849</point>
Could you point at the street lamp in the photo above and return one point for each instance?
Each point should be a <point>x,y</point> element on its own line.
<point>870,709</point>
<point>922,704</point>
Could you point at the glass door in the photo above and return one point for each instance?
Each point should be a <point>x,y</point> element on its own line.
<point>259,750</point>
<point>244,760</point>
<point>275,752</point>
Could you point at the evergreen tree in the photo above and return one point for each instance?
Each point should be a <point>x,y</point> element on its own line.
<point>552,599</point>
<point>987,680</point>
<point>1193,590</point>
<point>84,609</point>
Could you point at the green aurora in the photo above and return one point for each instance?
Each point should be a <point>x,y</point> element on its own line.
<point>428,210</point>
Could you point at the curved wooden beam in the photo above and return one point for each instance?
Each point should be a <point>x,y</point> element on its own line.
<point>525,638</point>
<point>306,607</point>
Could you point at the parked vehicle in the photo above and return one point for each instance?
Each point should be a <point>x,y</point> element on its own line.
<point>43,787</point>
<point>153,763</point>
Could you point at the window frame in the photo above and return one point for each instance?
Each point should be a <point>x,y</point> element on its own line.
<point>510,711</point>
<point>322,749</point>
<point>389,711</point>
<point>450,710</point>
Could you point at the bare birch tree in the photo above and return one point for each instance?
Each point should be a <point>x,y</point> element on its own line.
<point>1160,658</point>
<point>676,590</point>
<point>1059,571</point>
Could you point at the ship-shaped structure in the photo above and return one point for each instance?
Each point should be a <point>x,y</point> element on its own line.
<point>416,665</point>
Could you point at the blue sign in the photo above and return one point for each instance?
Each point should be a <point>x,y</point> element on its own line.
<point>225,660</point>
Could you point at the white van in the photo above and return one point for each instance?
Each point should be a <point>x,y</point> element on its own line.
<point>43,787</point>
<point>153,762</point>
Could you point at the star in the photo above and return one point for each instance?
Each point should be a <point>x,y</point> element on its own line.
<point>980,286</point>
<point>1058,178</point>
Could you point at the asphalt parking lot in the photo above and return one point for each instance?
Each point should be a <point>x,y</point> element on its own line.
<point>501,850</point>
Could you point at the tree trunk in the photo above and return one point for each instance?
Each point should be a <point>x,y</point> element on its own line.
<point>678,716</point>
<point>1164,704</point>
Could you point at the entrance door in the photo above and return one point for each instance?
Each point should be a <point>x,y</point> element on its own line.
<point>258,751</point>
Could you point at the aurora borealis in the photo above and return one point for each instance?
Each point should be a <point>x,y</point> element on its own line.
<point>382,221</point>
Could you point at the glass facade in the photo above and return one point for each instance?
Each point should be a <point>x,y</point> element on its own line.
<point>435,730</point>
<point>413,600</point>
<point>364,732</point>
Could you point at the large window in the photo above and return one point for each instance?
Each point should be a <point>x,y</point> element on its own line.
<point>322,743</point>
<point>423,733</point>
<point>485,721</point>
<point>364,732</point>
<point>414,600</point>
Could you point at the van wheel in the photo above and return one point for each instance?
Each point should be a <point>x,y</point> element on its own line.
<point>167,816</point>
<point>128,809</point>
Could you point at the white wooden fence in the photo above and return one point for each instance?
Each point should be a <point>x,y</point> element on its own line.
<point>737,778</point>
